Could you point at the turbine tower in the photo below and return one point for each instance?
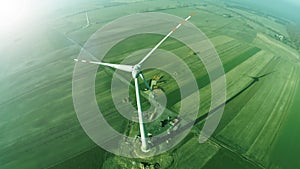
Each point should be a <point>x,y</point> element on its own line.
<point>136,73</point>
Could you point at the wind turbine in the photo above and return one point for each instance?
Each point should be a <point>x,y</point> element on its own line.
<point>136,72</point>
<point>87,20</point>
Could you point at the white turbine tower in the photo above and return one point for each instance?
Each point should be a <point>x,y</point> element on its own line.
<point>136,72</point>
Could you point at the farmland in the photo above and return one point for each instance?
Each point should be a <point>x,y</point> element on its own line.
<point>39,127</point>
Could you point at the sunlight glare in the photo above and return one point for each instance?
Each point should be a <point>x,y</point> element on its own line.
<point>12,13</point>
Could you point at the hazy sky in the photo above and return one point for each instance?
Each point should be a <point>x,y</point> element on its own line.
<point>295,2</point>
<point>281,8</point>
<point>285,8</point>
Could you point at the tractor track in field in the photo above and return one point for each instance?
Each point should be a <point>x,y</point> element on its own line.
<point>227,147</point>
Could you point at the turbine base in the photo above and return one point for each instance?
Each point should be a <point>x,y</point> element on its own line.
<point>145,149</point>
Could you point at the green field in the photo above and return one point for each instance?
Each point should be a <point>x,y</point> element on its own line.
<point>259,128</point>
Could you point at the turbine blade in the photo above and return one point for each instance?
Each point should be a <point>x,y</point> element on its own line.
<point>169,34</point>
<point>126,68</point>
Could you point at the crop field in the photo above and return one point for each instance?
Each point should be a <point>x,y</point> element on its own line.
<point>259,127</point>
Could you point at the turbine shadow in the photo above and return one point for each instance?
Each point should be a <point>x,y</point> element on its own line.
<point>255,79</point>
<point>203,117</point>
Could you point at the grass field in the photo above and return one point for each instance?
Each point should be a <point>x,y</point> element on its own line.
<point>39,127</point>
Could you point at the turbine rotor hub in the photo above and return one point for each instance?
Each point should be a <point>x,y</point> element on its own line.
<point>136,71</point>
